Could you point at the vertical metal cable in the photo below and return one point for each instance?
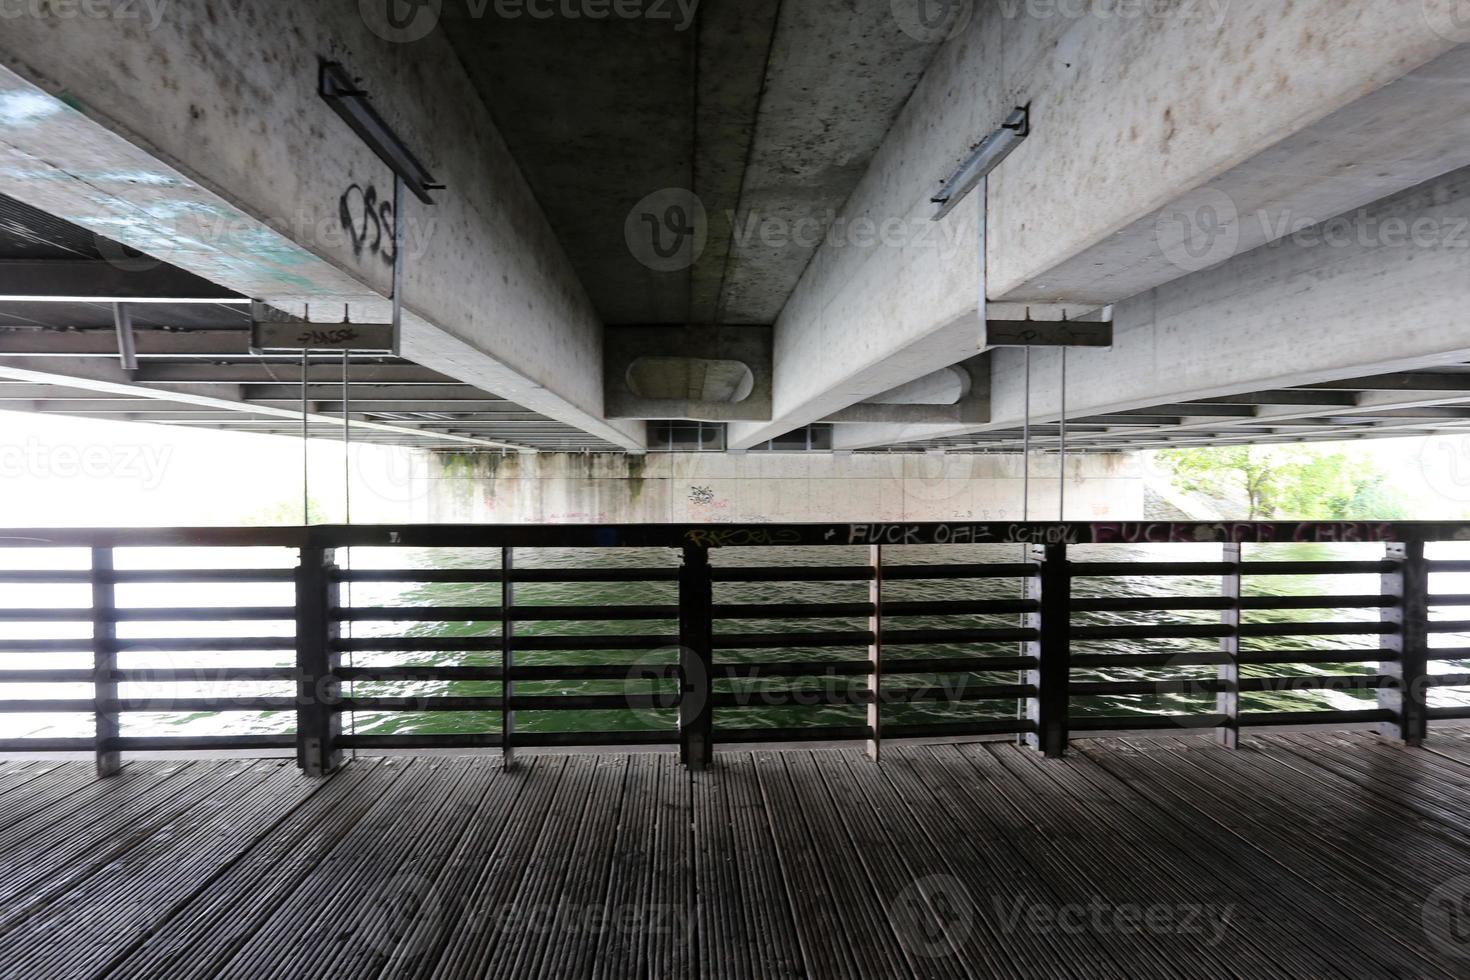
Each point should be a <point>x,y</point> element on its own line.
<point>347,509</point>
<point>1026,445</point>
<point>1062,491</point>
<point>305,443</point>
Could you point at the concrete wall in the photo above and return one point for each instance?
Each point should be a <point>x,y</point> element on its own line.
<point>559,488</point>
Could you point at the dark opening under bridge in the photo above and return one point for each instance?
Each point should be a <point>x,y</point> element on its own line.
<point>1131,845</point>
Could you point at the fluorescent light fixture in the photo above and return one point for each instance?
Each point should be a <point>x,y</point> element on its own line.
<point>986,157</point>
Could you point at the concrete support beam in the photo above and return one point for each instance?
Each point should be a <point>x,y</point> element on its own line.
<point>1313,311</point>
<point>111,379</point>
<point>1163,144</point>
<point>156,136</point>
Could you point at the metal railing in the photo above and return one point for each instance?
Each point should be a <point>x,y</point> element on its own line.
<point>1027,660</point>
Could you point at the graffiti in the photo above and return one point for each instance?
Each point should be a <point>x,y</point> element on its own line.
<point>1242,532</point>
<point>701,495</point>
<point>901,534</point>
<point>740,537</point>
<point>369,221</point>
<point>335,337</point>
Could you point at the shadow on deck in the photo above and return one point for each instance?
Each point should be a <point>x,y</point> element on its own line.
<point>1301,855</point>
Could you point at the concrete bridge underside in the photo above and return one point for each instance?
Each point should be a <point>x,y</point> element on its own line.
<point>1271,200</point>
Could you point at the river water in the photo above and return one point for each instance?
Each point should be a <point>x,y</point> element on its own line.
<point>193,679</point>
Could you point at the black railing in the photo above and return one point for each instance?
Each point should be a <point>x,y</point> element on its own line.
<point>698,661</point>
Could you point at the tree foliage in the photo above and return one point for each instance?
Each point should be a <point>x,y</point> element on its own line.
<point>1286,482</point>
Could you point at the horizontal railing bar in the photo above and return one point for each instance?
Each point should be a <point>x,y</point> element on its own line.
<point>204,644</point>
<point>1317,567</point>
<point>1125,723</point>
<point>1317,657</point>
<point>896,638</point>
<point>1319,602</point>
<point>1097,689</point>
<point>424,673</point>
<point>46,676</point>
<point>1265,719</point>
<point>1129,569</point>
<point>827,733</point>
<point>46,745</point>
<point>195,675</point>
<point>1449,626</point>
<point>1151,603</point>
<point>793,573</point>
<point>908,573</point>
<point>1151,661</point>
<point>79,645</point>
<point>777,641</point>
<point>488,740</point>
<point>1155,631</point>
<point>200,576</point>
<point>199,743</point>
<point>45,577</point>
<point>803,668</point>
<point>489,575</point>
<point>46,615</point>
<point>1449,600</point>
<point>220,614</point>
<point>47,706</point>
<point>1252,685</point>
<point>956,665</point>
<point>1449,680</point>
<point>1443,565</point>
<point>792,610</point>
<point>492,614</point>
<point>471,644</point>
<point>734,536</point>
<point>959,729</point>
<point>1449,653</point>
<point>962,607</point>
<point>826,696</point>
<point>1453,712</point>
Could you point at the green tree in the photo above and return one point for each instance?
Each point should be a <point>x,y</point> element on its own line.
<point>1290,482</point>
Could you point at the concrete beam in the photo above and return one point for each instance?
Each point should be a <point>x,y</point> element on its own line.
<point>1163,143</point>
<point>233,169</point>
<point>1313,311</point>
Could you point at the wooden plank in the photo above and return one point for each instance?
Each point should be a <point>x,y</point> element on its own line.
<point>825,949</point>
<point>125,898</point>
<point>198,937</point>
<point>1321,846</point>
<point>863,926</point>
<point>1277,913</point>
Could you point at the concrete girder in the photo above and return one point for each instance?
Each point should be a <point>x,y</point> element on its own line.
<point>1271,117</point>
<point>1283,316</point>
<point>113,380</point>
<point>234,170</point>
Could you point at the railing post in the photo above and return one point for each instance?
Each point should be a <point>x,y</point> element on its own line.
<point>1409,585</point>
<point>318,688</point>
<point>1052,589</point>
<point>1227,700</point>
<point>875,652</point>
<point>104,663</point>
<point>696,658</point>
<point>507,656</point>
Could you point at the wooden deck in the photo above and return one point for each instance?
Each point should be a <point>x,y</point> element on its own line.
<point>1299,856</point>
